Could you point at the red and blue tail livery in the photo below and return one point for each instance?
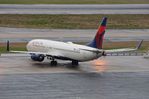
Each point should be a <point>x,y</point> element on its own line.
<point>98,40</point>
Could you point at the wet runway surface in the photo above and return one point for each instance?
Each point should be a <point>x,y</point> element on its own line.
<point>75,86</point>
<point>21,63</point>
<point>113,77</point>
<point>74,9</point>
<point>74,35</point>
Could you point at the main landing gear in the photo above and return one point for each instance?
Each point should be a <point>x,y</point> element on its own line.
<point>75,63</point>
<point>54,63</point>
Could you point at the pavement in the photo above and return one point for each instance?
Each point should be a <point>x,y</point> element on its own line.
<point>21,63</point>
<point>74,9</point>
<point>75,86</point>
<point>74,35</point>
<point>112,77</point>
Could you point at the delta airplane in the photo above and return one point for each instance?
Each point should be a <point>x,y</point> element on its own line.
<point>41,48</point>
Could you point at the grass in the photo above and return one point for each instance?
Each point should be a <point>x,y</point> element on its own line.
<point>13,46</point>
<point>74,1</point>
<point>106,45</point>
<point>74,21</point>
<point>130,44</point>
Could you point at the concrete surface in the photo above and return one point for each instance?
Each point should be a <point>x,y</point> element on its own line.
<point>74,9</point>
<point>21,63</point>
<point>75,86</point>
<point>119,77</point>
<point>25,34</point>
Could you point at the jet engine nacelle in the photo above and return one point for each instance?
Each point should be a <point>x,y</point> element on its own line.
<point>38,57</point>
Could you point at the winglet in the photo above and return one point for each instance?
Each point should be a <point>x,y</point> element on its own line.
<point>139,45</point>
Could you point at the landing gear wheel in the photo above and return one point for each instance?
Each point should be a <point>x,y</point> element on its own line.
<point>54,63</point>
<point>75,63</point>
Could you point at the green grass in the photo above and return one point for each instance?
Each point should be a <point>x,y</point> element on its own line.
<point>127,44</point>
<point>74,1</point>
<point>13,46</point>
<point>74,21</point>
<point>3,49</point>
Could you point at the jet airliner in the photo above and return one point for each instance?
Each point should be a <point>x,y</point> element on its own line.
<point>53,50</point>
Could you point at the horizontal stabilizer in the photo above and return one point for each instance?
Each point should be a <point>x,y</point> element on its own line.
<point>122,50</point>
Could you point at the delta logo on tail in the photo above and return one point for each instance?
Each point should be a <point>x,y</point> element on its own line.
<point>97,41</point>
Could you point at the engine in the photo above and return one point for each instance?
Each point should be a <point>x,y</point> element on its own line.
<point>37,57</point>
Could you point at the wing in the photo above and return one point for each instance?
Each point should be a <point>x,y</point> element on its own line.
<point>27,52</point>
<point>124,49</point>
<point>51,54</point>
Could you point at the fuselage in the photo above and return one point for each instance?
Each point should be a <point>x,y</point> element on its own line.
<point>65,49</point>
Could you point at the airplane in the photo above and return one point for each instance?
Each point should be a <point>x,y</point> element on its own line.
<point>53,50</point>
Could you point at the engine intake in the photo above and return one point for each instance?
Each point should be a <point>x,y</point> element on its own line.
<point>37,57</point>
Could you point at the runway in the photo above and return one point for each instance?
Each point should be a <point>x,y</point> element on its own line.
<point>21,63</point>
<point>74,9</point>
<point>119,77</point>
<point>74,35</point>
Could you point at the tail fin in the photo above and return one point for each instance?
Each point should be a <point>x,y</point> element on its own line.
<point>98,40</point>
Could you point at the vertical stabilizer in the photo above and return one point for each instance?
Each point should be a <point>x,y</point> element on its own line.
<point>98,40</point>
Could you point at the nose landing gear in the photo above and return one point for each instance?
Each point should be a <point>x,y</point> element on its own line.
<point>53,62</point>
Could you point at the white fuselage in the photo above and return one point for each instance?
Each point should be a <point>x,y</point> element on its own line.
<point>68,49</point>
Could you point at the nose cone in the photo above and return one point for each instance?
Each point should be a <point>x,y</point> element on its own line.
<point>29,45</point>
